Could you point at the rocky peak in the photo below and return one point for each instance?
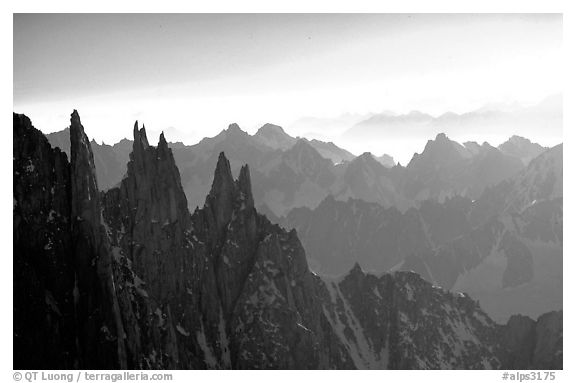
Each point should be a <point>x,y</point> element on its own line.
<point>366,156</point>
<point>517,140</point>
<point>440,152</point>
<point>366,162</point>
<point>440,142</point>
<point>154,180</point>
<point>232,230</point>
<point>220,200</point>
<point>356,270</point>
<point>244,186</point>
<point>163,150</point>
<point>386,160</point>
<point>487,146</point>
<point>274,137</point>
<point>85,195</point>
<point>441,137</point>
<point>270,129</point>
<point>485,151</point>
<point>522,148</point>
<point>140,139</point>
<point>234,131</point>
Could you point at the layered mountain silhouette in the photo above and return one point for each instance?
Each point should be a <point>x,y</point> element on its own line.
<point>267,146</point>
<point>447,168</point>
<point>491,119</point>
<point>504,248</point>
<point>293,172</point>
<point>130,278</point>
<point>337,234</point>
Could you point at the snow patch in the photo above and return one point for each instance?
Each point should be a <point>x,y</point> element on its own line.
<point>30,167</point>
<point>209,357</point>
<point>360,349</point>
<point>182,330</point>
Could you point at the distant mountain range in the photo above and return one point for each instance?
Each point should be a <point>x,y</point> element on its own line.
<point>291,172</point>
<point>533,121</point>
<point>129,278</point>
<point>504,248</point>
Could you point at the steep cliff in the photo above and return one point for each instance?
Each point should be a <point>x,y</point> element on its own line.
<point>43,256</point>
<point>128,278</point>
<point>534,344</point>
<point>65,306</point>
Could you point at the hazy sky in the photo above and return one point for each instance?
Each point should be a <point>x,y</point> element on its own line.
<point>192,75</point>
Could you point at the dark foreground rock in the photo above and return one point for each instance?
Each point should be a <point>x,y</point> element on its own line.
<point>128,278</point>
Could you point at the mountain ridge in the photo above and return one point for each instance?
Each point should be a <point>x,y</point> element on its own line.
<point>184,290</point>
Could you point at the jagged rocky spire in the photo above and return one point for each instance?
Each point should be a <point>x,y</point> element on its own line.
<point>245,186</point>
<point>220,201</point>
<point>155,209</point>
<point>225,192</point>
<point>247,301</point>
<point>153,176</point>
<point>85,195</point>
<point>234,127</point>
<point>140,140</point>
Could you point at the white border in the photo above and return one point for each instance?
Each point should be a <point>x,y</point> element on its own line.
<point>302,6</point>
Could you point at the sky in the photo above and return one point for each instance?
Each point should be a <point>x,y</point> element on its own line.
<point>192,75</point>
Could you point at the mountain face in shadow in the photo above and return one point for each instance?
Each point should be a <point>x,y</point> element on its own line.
<point>129,278</point>
<point>339,233</point>
<point>109,161</point>
<point>447,168</point>
<point>504,248</point>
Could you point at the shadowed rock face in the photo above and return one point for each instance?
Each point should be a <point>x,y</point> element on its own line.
<point>43,255</point>
<point>504,248</point>
<point>534,343</point>
<point>367,179</point>
<point>64,293</point>
<point>109,160</point>
<point>399,321</point>
<point>447,168</point>
<point>511,260</point>
<point>337,234</point>
<point>129,278</point>
<point>149,208</point>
